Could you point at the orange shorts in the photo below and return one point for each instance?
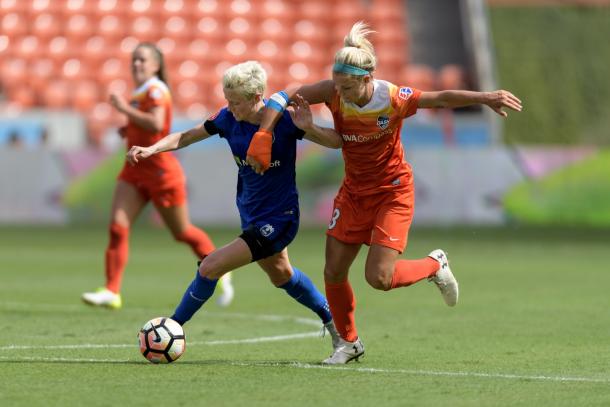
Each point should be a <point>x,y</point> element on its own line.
<point>162,195</point>
<point>383,218</point>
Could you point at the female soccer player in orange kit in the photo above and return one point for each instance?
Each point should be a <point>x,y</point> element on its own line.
<point>159,179</point>
<point>374,205</point>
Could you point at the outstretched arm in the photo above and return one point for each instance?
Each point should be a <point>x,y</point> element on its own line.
<point>259,152</point>
<point>496,100</point>
<point>303,119</point>
<point>170,142</point>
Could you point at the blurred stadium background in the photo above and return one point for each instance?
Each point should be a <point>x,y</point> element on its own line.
<point>59,151</point>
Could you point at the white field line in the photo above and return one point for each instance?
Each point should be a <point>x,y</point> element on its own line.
<point>190,343</point>
<point>75,307</point>
<point>371,370</point>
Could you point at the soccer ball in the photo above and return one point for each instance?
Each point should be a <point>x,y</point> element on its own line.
<point>162,340</point>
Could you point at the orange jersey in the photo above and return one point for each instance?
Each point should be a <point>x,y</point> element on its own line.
<point>160,169</point>
<point>372,150</point>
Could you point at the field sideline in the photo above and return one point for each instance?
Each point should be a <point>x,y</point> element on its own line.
<point>531,328</point>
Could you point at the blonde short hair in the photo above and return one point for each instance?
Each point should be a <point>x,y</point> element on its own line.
<point>357,49</point>
<point>248,78</point>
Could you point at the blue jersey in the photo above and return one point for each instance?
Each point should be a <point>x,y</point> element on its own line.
<point>273,194</point>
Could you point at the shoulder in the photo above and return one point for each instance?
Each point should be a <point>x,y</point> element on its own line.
<point>157,91</point>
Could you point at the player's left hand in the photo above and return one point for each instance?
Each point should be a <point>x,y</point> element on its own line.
<point>301,113</point>
<point>501,99</point>
<point>136,153</point>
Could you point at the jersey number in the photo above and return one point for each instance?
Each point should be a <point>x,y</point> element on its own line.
<point>333,220</point>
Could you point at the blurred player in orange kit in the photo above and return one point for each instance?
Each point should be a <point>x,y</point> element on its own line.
<point>374,205</point>
<point>159,179</point>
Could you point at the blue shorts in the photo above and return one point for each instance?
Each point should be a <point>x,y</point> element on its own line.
<point>269,236</point>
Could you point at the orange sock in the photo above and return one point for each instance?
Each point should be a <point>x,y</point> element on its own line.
<point>407,272</point>
<point>342,306</point>
<point>116,256</point>
<point>199,241</point>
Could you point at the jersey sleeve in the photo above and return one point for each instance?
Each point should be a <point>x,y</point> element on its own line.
<point>405,100</point>
<point>214,123</point>
<point>156,96</point>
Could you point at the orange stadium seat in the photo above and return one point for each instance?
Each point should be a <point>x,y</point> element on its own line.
<point>46,25</point>
<point>314,10</point>
<point>177,28</point>
<point>40,72</point>
<point>35,7</point>
<point>28,47</point>
<point>209,28</point>
<point>98,49</point>
<point>56,95</point>
<point>86,7</point>
<point>7,47</point>
<point>187,93</point>
<point>111,27</point>
<point>419,76</point>
<point>110,7</point>
<point>452,77</point>
<point>85,94</point>
<point>14,25</point>
<point>210,8</point>
<point>75,69</point>
<point>23,95</point>
<point>179,8</point>
<point>13,6</point>
<point>78,28</point>
<point>57,49</point>
<point>144,29</point>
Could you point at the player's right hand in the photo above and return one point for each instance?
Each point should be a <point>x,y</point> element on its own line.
<point>136,153</point>
<point>259,152</point>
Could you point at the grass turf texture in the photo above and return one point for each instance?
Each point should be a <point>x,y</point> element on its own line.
<point>531,327</point>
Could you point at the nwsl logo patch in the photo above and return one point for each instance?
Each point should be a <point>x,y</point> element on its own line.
<point>405,93</point>
<point>383,122</point>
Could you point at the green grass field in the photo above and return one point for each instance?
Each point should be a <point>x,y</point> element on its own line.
<point>532,326</point>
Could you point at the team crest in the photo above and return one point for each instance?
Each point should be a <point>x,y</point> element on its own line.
<point>383,122</point>
<point>405,93</point>
<point>267,230</point>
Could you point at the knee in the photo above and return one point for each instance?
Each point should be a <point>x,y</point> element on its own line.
<point>211,268</point>
<point>333,275</point>
<point>378,279</point>
<point>118,234</point>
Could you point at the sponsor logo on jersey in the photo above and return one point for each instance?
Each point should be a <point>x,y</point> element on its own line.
<point>383,122</point>
<point>405,93</point>
<point>241,162</point>
<point>267,230</point>
<point>360,138</point>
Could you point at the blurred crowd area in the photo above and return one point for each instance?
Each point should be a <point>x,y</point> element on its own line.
<point>69,54</point>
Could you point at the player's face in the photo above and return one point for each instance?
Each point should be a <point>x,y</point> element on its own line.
<point>351,88</point>
<point>144,65</point>
<point>240,106</point>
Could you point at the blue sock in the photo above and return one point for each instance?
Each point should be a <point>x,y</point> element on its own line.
<point>302,289</point>
<point>200,290</point>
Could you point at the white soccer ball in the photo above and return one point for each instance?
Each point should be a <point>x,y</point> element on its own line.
<point>162,340</point>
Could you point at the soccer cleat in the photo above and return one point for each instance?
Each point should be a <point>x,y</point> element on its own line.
<point>444,279</point>
<point>103,297</point>
<point>345,352</point>
<point>225,298</point>
<point>334,335</point>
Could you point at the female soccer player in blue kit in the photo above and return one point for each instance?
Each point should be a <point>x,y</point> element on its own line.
<point>268,206</point>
